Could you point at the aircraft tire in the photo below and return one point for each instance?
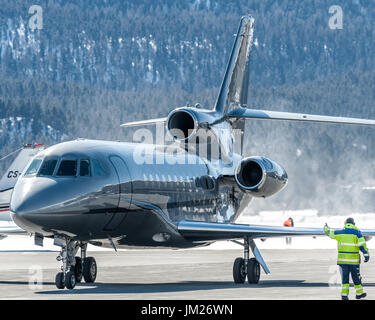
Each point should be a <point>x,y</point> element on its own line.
<point>239,272</point>
<point>70,280</point>
<point>253,271</point>
<point>90,269</point>
<point>77,269</point>
<point>59,280</point>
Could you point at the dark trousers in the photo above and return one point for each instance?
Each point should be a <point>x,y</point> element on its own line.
<point>350,269</point>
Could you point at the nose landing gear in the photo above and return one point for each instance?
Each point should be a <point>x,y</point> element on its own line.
<point>74,268</point>
<point>77,269</point>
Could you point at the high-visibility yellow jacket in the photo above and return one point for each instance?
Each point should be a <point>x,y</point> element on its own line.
<point>349,242</point>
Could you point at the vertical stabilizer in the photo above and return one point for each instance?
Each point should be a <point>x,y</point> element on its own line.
<point>234,88</point>
<point>10,176</point>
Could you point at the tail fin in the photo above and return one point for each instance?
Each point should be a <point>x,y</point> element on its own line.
<point>10,176</point>
<point>235,85</point>
<point>234,88</point>
<point>231,102</point>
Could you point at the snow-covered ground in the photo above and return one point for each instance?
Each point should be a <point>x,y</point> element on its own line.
<point>303,218</point>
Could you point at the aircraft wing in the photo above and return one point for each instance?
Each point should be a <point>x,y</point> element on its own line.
<point>210,231</point>
<point>277,115</point>
<point>368,232</point>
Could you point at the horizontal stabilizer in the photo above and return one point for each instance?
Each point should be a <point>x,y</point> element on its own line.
<point>276,115</point>
<point>144,122</point>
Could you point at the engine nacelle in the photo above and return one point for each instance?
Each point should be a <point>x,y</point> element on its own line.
<point>201,130</point>
<point>182,124</point>
<point>261,177</point>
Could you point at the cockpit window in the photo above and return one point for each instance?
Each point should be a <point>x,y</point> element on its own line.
<point>34,167</point>
<point>48,167</point>
<point>68,168</point>
<point>84,168</point>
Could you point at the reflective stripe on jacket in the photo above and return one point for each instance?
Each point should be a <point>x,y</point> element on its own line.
<point>349,242</point>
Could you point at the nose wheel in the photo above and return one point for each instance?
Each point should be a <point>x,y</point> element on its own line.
<point>77,269</point>
<point>70,280</point>
<point>74,269</point>
<point>60,280</point>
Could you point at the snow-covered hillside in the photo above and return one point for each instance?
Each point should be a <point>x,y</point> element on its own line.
<point>14,129</point>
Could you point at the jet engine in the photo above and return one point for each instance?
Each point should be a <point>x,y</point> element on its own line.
<point>261,177</point>
<point>182,124</point>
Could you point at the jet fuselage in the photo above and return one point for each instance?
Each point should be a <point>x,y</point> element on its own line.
<point>120,198</point>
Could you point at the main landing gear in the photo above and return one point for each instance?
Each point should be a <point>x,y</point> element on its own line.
<point>245,267</point>
<point>74,268</point>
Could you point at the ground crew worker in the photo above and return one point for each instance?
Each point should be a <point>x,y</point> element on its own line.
<point>350,241</point>
<point>288,223</point>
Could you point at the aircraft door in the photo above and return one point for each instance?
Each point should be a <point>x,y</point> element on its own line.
<point>125,190</point>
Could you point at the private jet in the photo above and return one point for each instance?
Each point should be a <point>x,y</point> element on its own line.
<point>145,195</point>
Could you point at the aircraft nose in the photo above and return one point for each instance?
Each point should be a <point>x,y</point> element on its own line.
<point>23,215</point>
<point>22,219</point>
<point>30,196</point>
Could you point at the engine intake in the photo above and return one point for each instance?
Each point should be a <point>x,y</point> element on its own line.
<point>261,177</point>
<point>182,124</point>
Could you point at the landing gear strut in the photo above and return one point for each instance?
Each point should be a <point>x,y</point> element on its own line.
<point>74,268</point>
<point>243,267</point>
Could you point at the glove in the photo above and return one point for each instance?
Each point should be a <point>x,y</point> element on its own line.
<point>326,229</point>
<point>367,257</point>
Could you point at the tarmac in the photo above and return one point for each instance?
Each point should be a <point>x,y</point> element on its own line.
<point>180,274</point>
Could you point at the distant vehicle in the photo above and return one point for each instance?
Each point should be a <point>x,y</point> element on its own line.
<point>98,192</point>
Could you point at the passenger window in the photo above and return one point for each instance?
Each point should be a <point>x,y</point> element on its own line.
<point>97,168</point>
<point>48,167</point>
<point>68,168</point>
<point>84,168</point>
<point>33,168</point>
